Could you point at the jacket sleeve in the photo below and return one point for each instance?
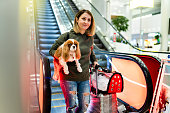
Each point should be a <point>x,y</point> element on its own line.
<point>57,43</point>
<point>92,55</point>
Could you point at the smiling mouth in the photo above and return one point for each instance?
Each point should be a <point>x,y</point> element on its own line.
<point>85,25</point>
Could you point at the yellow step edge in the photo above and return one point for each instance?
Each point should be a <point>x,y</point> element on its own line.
<point>55,86</point>
<point>56,93</point>
<point>58,106</point>
<point>57,99</point>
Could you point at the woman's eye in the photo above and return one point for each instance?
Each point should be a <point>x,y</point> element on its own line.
<point>89,20</point>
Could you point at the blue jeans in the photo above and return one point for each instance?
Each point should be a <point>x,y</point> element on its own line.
<point>73,89</point>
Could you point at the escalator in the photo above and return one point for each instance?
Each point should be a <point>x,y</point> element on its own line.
<point>48,31</point>
<point>73,6</point>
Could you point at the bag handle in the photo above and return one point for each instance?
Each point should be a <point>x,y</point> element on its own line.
<point>103,69</point>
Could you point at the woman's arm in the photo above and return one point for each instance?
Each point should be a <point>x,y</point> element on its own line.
<point>93,58</point>
<point>57,43</point>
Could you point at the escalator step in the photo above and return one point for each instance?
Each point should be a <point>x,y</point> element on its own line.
<point>56,90</point>
<point>47,41</point>
<point>49,31</point>
<point>46,20</point>
<point>48,24</point>
<point>45,14</point>
<point>46,17</point>
<point>43,7</point>
<point>41,11</point>
<point>54,83</point>
<point>57,96</point>
<point>45,46</point>
<point>48,27</point>
<point>50,36</point>
<point>44,4</point>
<point>46,9</point>
<point>61,109</point>
<point>58,104</point>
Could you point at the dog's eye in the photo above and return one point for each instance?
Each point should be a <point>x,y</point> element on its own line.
<point>76,45</point>
<point>69,45</point>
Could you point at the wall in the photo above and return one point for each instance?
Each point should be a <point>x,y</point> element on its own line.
<point>149,24</point>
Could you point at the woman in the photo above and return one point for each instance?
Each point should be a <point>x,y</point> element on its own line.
<point>77,83</point>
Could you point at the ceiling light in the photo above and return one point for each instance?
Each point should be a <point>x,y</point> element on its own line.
<point>141,3</point>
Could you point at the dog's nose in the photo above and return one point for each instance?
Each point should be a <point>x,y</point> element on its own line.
<point>74,46</point>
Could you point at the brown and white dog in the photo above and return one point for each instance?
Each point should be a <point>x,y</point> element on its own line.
<point>69,51</point>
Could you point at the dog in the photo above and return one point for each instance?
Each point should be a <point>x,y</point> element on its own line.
<point>69,51</point>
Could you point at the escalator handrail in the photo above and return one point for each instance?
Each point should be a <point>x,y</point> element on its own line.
<point>66,13</point>
<point>71,8</point>
<point>46,83</point>
<point>98,50</point>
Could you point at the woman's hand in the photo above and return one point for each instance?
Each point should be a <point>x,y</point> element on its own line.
<point>95,63</point>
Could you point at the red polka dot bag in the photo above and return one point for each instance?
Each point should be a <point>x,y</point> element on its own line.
<point>106,82</point>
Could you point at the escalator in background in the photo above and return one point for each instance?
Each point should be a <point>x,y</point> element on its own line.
<point>48,31</point>
<point>73,6</point>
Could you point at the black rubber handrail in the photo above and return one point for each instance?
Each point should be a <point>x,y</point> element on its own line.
<point>71,8</point>
<point>46,83</point>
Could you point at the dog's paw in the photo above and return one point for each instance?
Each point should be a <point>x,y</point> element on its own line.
<point>55,77</point>
<point>79,69</point>
<point>66,71</point>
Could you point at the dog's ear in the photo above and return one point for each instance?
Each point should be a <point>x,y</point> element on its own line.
<point>58,52</point>
<point>78,53</point>
<point>65,52</point>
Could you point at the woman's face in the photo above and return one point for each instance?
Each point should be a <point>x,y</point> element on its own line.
<point>84,22</point>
